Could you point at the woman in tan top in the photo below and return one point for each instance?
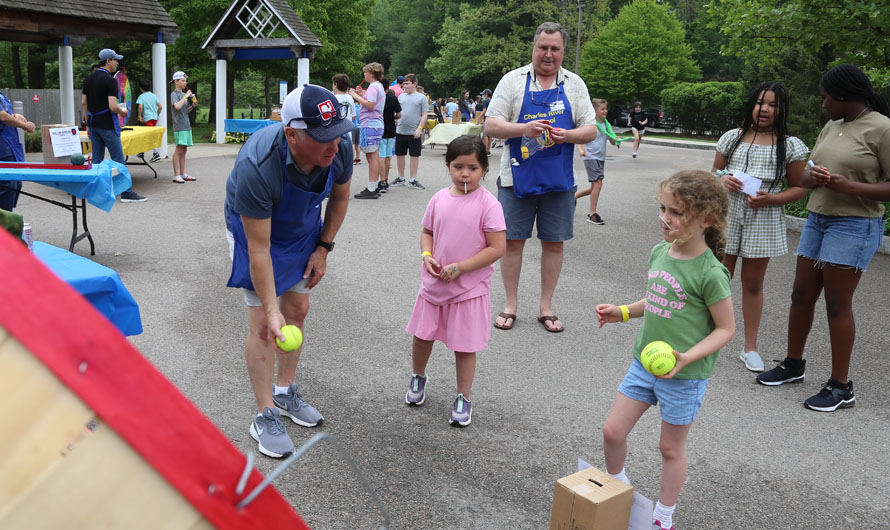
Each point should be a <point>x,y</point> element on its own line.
<point>850,174</point>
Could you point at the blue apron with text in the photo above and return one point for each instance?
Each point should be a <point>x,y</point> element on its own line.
<point>9,135</point>
<point>114,120</point>
<point>550,169</point>
<point>296,226</point>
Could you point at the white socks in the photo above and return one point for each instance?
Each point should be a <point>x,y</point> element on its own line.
<point>664,515</point>
<point>280,390</point>
<point>622,476</point>
<point>372,186</point>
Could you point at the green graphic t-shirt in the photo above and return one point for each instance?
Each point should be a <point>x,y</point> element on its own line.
<point>677,299</point>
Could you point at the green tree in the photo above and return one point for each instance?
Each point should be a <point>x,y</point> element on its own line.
<point>478,46</point>
<point>855,31</point>
<point>638,54</point>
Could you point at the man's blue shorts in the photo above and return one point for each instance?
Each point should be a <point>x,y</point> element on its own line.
<point>554,213</point>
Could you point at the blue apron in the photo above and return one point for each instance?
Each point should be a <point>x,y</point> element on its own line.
<point>296,227</point>
<point>550,169</point>
<point>114,120</point>
<point>9,135</point>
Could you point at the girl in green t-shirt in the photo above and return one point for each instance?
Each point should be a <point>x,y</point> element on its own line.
<point>688,305</point>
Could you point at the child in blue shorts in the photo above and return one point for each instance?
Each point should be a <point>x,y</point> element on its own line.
<point>688,305</point>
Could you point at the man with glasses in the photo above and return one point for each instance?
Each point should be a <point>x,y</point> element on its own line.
<point>539,100</point>
<point>279,244</point>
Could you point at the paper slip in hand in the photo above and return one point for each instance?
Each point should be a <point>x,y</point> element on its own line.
<point>750,185</point>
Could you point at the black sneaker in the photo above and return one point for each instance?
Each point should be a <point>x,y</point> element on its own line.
<point>595,219</point>
<point>155,157</point>
<point>382,187</point>
<point>366,194</point>
<point>788,371</point>
<point>833,396</point>
<point>132,196</point>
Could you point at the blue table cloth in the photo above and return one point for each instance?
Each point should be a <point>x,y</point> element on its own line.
<point>248,126</point>
<point>100,285</point>
<point>99,185</point>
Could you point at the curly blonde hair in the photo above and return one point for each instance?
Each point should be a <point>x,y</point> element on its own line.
<point>704,199</point>
<point>376,70</point>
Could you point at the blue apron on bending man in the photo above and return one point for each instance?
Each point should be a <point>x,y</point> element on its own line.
<point>11,150</point>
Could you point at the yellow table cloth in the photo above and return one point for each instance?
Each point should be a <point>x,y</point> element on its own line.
<point>134,140</point>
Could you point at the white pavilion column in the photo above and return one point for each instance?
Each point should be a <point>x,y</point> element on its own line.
<point>159,87</point>
<point>220,101</point>
<point>302,71</point>
<point>66,85</point>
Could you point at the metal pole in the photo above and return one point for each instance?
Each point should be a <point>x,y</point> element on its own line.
<point>578,44</point>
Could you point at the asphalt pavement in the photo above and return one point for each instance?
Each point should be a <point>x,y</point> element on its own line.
<point>756,457</point>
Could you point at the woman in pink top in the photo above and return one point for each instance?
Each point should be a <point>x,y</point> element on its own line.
<point>464,233</point>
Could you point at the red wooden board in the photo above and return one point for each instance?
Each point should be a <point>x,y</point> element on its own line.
<point>64,331</point>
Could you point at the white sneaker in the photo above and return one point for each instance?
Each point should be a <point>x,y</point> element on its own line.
<point>752,360</point>
<point>635,154</point>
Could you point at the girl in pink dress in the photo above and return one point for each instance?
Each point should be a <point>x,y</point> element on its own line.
<point>463,234</point>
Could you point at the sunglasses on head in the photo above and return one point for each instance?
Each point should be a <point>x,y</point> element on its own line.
<point>340,112</point>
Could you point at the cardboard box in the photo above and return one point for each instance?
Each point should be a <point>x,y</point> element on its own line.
<point>591,500</point>
<point>47,145</point>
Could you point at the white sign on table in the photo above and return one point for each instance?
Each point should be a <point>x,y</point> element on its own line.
<point>65,140</point>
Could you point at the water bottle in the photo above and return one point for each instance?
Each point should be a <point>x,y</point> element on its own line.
<point>530,146</point>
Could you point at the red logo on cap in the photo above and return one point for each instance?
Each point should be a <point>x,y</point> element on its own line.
<point>326,110</point>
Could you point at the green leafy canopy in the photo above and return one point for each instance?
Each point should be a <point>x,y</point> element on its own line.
<point>638,54</point>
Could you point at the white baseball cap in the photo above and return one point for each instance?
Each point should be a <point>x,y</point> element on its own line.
<point>179,75</point>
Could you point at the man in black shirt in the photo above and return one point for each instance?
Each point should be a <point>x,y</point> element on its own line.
<point>99,106</point>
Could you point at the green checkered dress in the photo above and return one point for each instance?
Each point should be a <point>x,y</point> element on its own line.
<point>757,233</point>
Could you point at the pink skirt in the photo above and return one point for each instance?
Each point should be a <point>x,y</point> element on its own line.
<point>462,326</point>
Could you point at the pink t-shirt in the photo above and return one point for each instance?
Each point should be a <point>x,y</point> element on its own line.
<point>458,224</point>
<point>376,94</point>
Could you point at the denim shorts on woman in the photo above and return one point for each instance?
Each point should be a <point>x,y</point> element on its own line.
<point>554,213</point>
<point>845,241</point>
<point>678,399</point>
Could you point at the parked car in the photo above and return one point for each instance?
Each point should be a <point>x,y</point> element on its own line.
<point>658,119</point>
<point>617,116</point>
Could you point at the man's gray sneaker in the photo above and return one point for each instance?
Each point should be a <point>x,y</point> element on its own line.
<point>268,430</point>
<point>417,390</point>
<point>399,181</point>
<point>416,185</point>
<point>293,406</point>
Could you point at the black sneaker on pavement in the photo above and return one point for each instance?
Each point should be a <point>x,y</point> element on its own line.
<point>416,185</point>
<point>366,194</point>
<point>788,371</point>
<point>155,157</point>
<point>834,395</point>
<point>132,196</point>
<point>382,187</point>
<point>399,181</point>
<point>595,219</point>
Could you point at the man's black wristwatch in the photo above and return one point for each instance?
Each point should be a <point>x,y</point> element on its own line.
<point>325,245</point>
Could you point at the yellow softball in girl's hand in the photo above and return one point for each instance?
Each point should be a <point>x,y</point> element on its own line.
<point>658,357</point>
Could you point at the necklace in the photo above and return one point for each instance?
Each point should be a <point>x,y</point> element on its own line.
<point>847,124</point>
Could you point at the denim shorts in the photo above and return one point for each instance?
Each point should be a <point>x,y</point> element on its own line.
<point>844,241</point>
<point>387,145</point>
<point>678,399</point>
<point>554,213</point>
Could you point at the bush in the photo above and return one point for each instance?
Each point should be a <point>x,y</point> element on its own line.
<point>33,142</point>
<point>711,108</point>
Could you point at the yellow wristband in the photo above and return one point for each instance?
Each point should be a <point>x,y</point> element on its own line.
<point>425,254</point>
<point>625,313</point>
